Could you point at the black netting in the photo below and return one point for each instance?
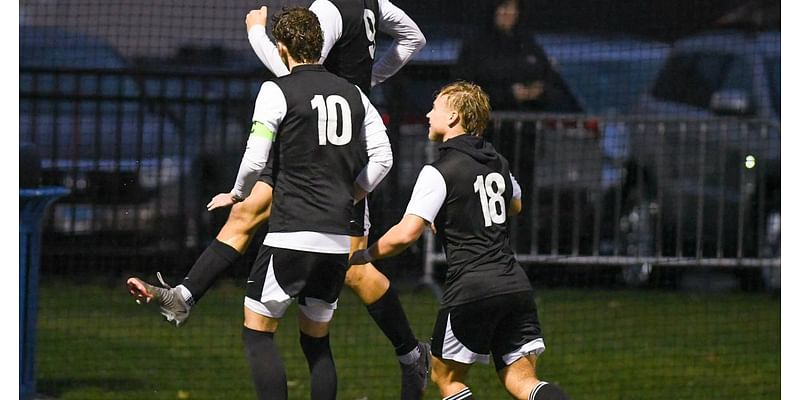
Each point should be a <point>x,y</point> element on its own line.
<point>645,137</point>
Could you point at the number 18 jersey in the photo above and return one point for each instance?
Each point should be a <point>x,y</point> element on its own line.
<point>467,193</point>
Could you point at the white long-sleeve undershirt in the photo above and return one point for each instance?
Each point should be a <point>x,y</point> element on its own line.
<point>269,112</point>
<point>408,39</point>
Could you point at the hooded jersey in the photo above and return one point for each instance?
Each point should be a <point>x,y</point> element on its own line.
<point>471,220</point>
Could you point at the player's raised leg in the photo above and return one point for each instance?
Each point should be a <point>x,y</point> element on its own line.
<point>231,242</point>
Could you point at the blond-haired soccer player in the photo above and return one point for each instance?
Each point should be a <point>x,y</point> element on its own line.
<point>488,309</point>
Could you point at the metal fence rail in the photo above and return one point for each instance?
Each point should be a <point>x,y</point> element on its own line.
<point>141,151</point>
<point>640,190</point>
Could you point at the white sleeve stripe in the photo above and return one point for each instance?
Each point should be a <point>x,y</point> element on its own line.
<point>429,194</point>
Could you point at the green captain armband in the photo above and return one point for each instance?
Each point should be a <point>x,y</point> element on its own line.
<point>261,130</point>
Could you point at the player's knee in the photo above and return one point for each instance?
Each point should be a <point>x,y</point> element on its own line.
<point>354,276</point>
<point>366,277</point>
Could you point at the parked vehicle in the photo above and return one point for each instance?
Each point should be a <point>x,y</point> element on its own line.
<point>120,157</point>
<point>732,80</point>
<point>606,74</point>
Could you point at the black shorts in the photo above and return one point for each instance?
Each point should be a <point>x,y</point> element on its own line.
<point>505,326</point>
<point>359,222</point>
<point>280,275</point>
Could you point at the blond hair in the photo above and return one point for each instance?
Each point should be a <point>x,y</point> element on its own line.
<point>470,102</point>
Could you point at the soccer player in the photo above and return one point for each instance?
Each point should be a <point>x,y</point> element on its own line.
<point>349,28</point>
<point>488,307</point>
<point>317,122</point>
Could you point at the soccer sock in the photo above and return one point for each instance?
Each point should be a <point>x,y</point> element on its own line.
<point>390,317</point>
<point>321,365</point>
<point>463,394</point>
<point>547,391</point>
<point>216,258</point>
<point>266,366</point>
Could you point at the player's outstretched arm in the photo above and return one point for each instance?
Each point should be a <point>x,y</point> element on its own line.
<point>394,241</point>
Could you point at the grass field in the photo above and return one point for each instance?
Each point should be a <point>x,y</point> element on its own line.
<point>94,342</point>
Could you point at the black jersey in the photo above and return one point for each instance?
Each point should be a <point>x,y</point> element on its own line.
<point>471,223</point>
<point>318,150</point>
<point>351,57</point>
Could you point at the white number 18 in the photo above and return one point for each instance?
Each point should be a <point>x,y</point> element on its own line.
<point>490,190</point>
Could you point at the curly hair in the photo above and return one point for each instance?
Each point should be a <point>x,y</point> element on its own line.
<point>470,102</point>
<point>299,30</point>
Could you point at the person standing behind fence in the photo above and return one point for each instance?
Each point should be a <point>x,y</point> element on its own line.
<point>304,254</point>
<point>508,65</point>
<point>488,308</point>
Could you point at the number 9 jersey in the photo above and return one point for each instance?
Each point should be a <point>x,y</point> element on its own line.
<point>466,193</point>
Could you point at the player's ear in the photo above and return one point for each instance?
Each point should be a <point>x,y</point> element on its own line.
<point>283,53</point>
<point>453,119</point>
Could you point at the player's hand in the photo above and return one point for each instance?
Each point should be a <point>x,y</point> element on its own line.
<point>525,92</point>
<point>256,17</point>
<point>535,90</point>
<point>360,257</point>
<point>221,200</point>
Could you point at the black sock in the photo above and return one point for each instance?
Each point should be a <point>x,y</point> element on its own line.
<point>390,317</point>
<point>320,365</point>
<point>462,395</point>
<point>266,366</point>
<point>547,391</point>
<point>217,257</point>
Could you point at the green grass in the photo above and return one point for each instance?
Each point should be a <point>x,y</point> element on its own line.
<point>94,342</point>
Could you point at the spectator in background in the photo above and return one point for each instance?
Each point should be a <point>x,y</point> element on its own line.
<point>510,66</point>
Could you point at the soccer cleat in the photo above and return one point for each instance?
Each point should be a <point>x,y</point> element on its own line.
<point>414,376</point>
<point>173,307</point>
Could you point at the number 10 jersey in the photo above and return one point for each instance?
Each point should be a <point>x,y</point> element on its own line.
<point>318,152</point>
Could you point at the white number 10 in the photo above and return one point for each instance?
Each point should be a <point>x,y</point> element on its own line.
<point>490,191</point>
<point>328,120</point>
